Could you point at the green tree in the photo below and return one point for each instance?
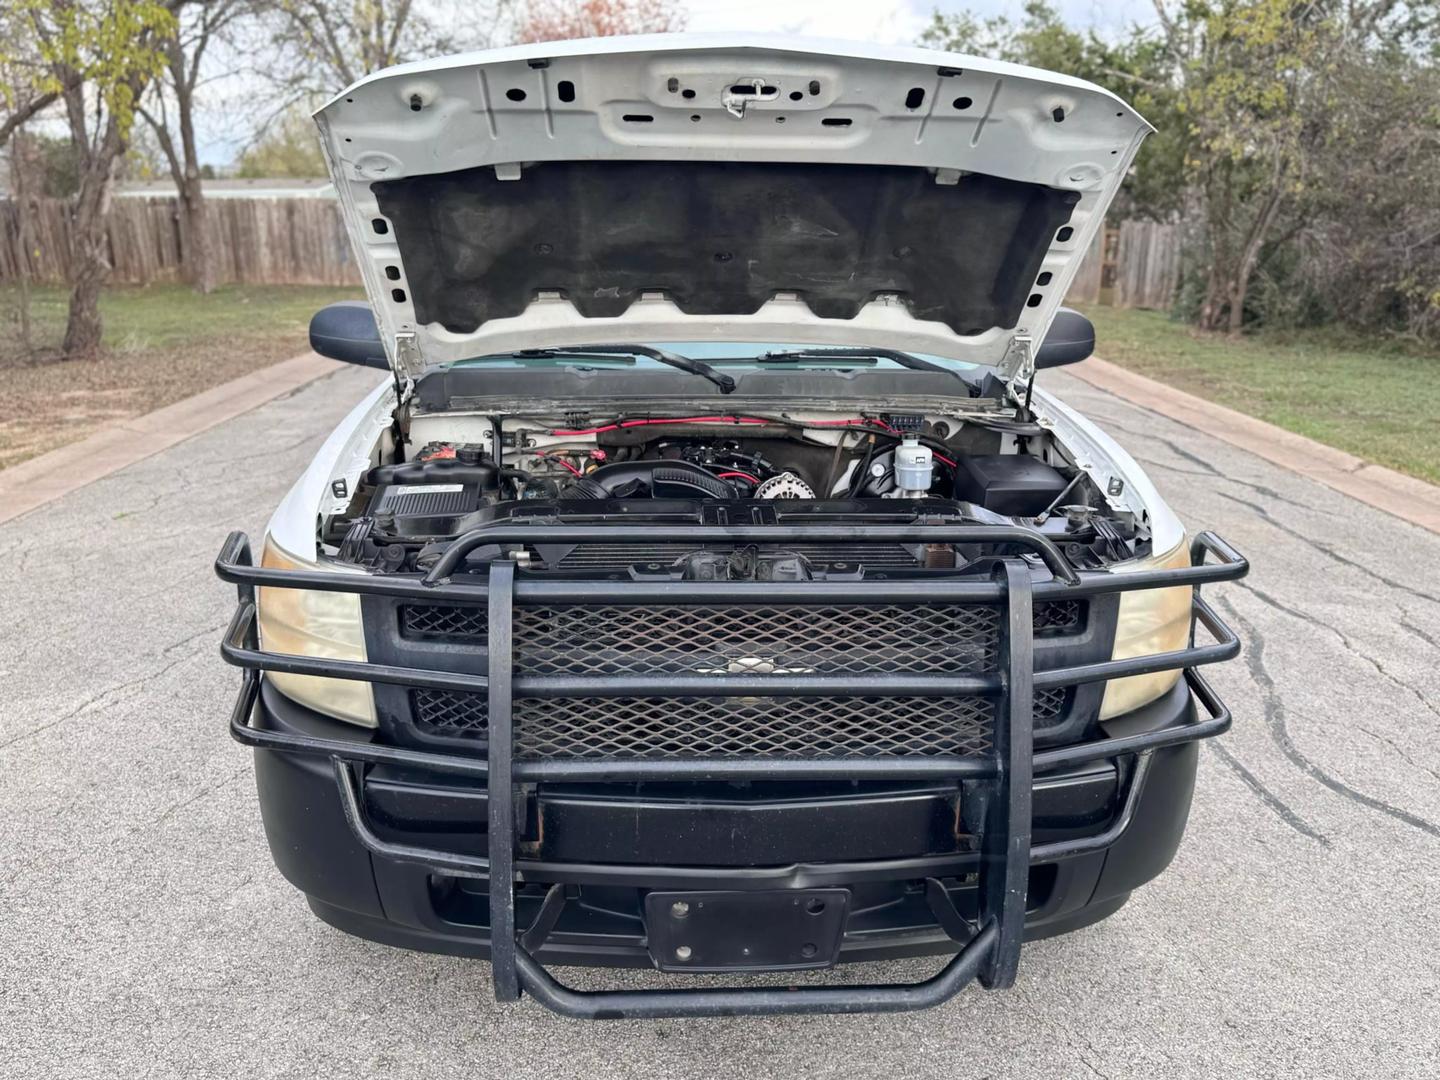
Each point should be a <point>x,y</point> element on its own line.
<point>1262,93</point>
<point>1298,143</point>
<point>95,58</point>
<point>1361,240</point>
<point>1246,74</point>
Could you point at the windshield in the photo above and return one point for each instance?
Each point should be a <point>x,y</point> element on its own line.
<point>724,354</point>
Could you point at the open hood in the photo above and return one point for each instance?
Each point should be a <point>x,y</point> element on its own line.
<point>708,187</point>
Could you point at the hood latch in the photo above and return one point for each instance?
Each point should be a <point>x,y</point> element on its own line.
<point>742,92</point>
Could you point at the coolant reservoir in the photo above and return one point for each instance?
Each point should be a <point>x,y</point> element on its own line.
<point>914,468</point>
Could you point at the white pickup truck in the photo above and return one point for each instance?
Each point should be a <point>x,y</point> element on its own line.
<point>707,586</point>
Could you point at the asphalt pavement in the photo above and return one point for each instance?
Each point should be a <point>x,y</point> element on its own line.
<point>144,931</point>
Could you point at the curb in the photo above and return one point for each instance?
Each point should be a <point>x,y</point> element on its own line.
<point>50,476</point>
<point>1384,489</point>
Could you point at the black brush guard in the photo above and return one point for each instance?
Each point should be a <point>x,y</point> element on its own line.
<point>989,946</point>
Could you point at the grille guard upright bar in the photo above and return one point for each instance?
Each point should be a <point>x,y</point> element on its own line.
<point>1006,853</point>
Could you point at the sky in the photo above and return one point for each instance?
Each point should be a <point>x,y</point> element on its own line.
<point>891,22</point>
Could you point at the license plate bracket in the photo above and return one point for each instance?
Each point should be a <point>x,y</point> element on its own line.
<point>753,930</point>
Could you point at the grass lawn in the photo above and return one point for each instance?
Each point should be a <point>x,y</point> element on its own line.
<point>1380,403</point>
<point>162,343</point>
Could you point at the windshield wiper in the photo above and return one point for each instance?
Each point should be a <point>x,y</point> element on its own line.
<point>904,359</point>
<point>663,356</point>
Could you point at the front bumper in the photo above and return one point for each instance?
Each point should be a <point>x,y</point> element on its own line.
<point>409,905</point>
<point>487,855</point>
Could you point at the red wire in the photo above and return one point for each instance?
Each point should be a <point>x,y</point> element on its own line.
<point>860,423</point>
<point>742,475</point>
<point>559,460</point>
<point>678,420</point>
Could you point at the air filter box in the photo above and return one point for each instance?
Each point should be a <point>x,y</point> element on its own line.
<point>428,509</point>
<point>1012,484</point>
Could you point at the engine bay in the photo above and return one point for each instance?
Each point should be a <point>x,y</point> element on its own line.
<point>460,472</point>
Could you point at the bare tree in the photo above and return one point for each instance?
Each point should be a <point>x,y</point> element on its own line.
<point>172,100</point>
<point>317,47</point>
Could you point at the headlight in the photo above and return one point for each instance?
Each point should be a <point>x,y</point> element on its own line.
<point>306,622</point>
<point>1150,621</point>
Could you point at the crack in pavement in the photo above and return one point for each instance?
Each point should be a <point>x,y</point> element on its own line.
<point>1269,798</point>
<point>63,633</point>
<point>1277,721</point>
<point>155,497</point>
<point>1406,624</point>
<point>1166,418</point>
<point>84,705</point>
<point>1295,613</point>
<point>198,633</point>
<point>1324,549</point>
<point>1208,469</point>
<point>206,790</point>
<point>1398,749</point>
<point>254,455</point>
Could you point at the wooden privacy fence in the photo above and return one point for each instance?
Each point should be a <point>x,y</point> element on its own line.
<point>301,241</point>
<point>255,241</point>
<point>1130,264</point>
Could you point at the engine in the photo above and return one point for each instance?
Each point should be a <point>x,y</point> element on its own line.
<point>716,470</point>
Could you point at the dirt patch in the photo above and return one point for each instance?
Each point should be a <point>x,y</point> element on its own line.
<point>49,402</point>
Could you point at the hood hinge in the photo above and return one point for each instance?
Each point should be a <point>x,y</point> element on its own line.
<point>407,355</point>
<point>1019,360</point>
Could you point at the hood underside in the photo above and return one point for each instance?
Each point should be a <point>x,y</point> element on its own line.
<point>690,188</point>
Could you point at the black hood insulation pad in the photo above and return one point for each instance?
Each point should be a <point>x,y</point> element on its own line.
<point>721,238</point>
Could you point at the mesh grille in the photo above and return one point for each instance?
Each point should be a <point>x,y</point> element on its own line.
<point>650,727</point>
<point>751,727</point>
<point>450,712</point>
<point>1048,705</point>
<point>449,621</point>
<point>1058,616</point>
<point>737,639</point>
<point>788,639</point>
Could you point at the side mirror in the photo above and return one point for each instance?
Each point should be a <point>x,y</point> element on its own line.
<point>1070,340</point>
<point>347,331</point>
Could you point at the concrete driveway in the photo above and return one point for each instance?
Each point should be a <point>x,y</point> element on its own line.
<point>143,931</point>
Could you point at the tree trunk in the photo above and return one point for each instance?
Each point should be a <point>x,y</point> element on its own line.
<point>195,258</point>
<point>20,189</point>
<point>1254,242</point>
<point>1237,304</point>
<point>1218,203</point>
<point>1212,311</point>
<point>194,237</point>
<point>89,257</point>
